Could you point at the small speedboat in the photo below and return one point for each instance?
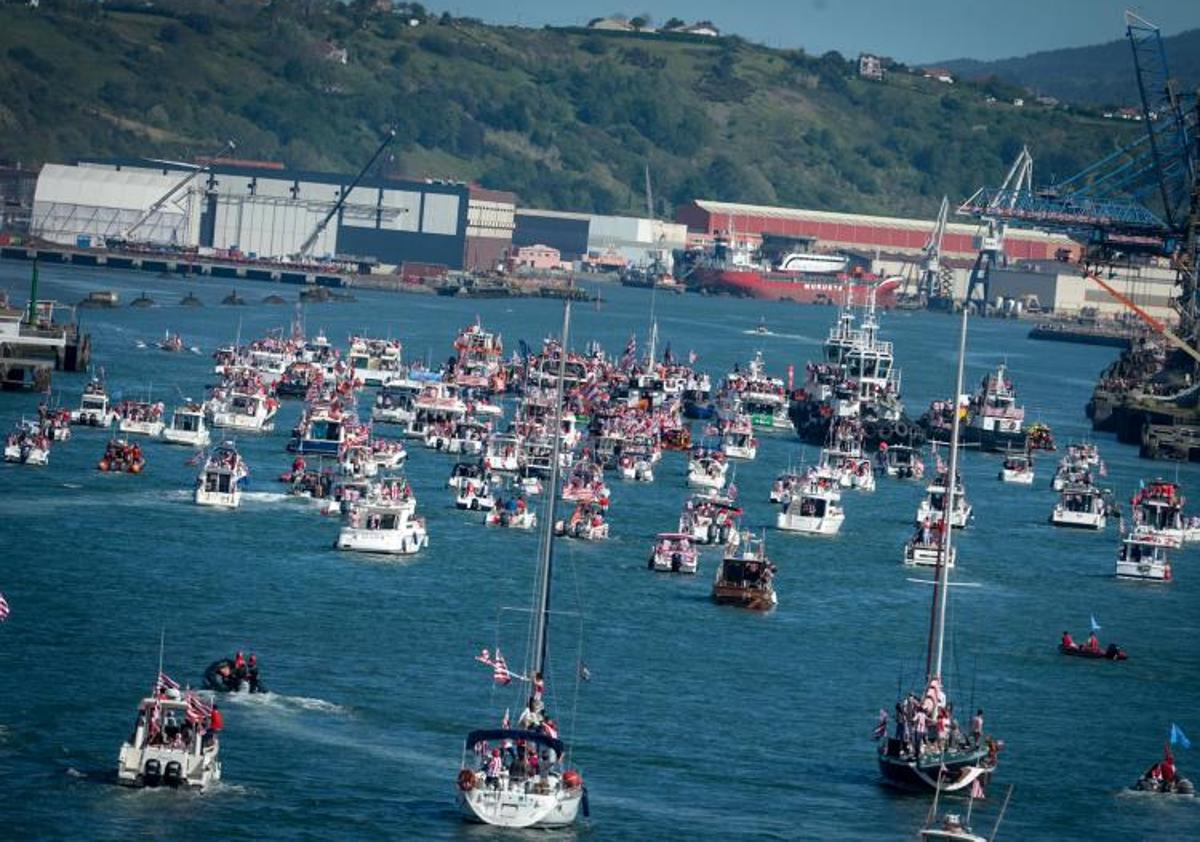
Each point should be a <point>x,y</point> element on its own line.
<point>586,523</point>
<point>120,456</point>
<point>475,495</point>
<point>673,552</point>
<point>1017,469</point>
<point>174,742</point>
<point>518,516</point>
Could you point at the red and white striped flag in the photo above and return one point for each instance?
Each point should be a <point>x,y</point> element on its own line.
<point>500,673</point>
<point>198,710</point>
<point>164,683</point>
<point>155,723</point>
<point>977,791</point>
<point>4,609</point>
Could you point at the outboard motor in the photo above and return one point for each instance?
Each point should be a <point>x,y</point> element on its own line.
<point>152,773</point>
<point>173,777</point>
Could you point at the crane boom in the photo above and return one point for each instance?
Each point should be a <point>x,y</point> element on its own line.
<point>166,197</point>
<point>1155,324</point>
<point>307,245</point>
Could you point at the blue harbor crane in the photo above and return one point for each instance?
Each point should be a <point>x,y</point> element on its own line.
<point>1144,198</point>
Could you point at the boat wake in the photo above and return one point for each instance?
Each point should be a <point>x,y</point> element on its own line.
<point>799,337</point>
<point>74,486</point>
<point>280,703</point>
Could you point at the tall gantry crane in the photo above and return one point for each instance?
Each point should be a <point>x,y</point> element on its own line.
<point>994,221</point>
<point>932,286</point>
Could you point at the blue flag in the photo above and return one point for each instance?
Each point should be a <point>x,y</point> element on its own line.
<point>1178,738</point>
<point>1095,625</point>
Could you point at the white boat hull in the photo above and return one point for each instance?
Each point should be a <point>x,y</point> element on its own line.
<point>826,525</point>
<point>141,428</point>
<point>1016,477</point>
<point>1144,571</point>
<point>199,771</point>
<point>517,809</point>
<point>219,499</point>
<point>959,519</point>
<point>737,452</point>
<point>921,556</point>
<point>245,423</point>
<point>192,438</point>
<point>387,541</point>
<point>26,456</point>
<point>1078,520</point>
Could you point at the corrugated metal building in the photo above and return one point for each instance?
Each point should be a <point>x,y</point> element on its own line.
<point>269,212</point>
<point>577,234</point>
<point>1061,287</point>
<point>705,219</point>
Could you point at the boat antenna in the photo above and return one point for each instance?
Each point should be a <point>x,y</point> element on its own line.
<point>941,590</point>
<point>541,617</point>
<point>162,642</point>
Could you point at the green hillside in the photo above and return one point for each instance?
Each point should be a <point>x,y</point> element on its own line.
<point>566,118</point>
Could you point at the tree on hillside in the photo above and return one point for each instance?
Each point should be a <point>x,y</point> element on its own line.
<point>675,23</point>
<point>640,22</point>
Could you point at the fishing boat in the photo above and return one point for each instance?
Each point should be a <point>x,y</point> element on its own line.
<point>475,495</point>
<point>746,577</point>
<point>1143,556</point>
<point>324,430</point>
<point>27,445</point>
<point>908,759</point>
<point>94,409</point>
<point>673,552</point>
<point>932,508</point>
<point>502,452</point>
<point>511,514</point>
<point>489,790</point>
<point>174,742</point>
<point>140,418</point>
<point>462,472</point>
<point>187,426</point>
<point>396,403</point>
<point>298,379</point>
<point>995,421</point>
<point>222,478</point>
<point>1017,469</point>
<point>1158,506</point>
<point>738,441</point>
<point>1082,507</point>
<point>249,412</point>
<point>900,461</point>
<point>707,469</point>
<point>374,362</point>
<point>924,548</point>
<point>784,484</point>
<point>814,508</point>
<point>586,523</point>
<point>710,519</point>
<point>121,456</point>
<point>372,528</point>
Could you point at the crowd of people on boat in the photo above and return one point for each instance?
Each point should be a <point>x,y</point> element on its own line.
<point>928,725</point>
<point>140,412</point>
<point>120,455</point>
<point>231,675</point>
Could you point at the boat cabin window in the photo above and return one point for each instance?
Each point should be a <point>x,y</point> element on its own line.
<point>187,422</point>
<point>94,401</point>
<point>326,430</point>
<point>218,481</point>
<point>813,507</point>
<point>747,573</point>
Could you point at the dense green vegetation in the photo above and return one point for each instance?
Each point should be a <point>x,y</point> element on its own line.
<point>1101,74</point>
<point>566,118</point>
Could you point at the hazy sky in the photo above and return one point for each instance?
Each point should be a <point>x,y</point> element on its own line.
<point>913,31</point>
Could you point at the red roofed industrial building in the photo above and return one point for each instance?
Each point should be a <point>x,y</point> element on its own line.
<point>707,219</point>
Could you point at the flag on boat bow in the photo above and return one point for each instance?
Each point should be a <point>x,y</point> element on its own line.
<point>164,683</point>
<point>4,610</point>
<point>977,791</point>
<point>198,710</point>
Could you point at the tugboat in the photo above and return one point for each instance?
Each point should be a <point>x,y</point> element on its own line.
<point>996,421</point>
<point>746,577</point>
<point>909,759</point>
<point>673,552</point>
<point>222,478</point>
<point>174,742</point>
<point>506,794</point>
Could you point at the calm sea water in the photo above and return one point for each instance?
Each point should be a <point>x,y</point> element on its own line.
<point>699,722</point>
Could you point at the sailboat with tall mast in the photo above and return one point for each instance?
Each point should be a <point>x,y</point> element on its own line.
<point>924,750</point>
<point>519,777</point>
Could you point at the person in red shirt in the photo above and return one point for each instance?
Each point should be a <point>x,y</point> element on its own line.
<point>1168,765</point>
<point>216,721</point>
<point>1067,642</point>
<point>1093,643</point>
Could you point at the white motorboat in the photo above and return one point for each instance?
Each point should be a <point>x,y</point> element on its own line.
<point>673,552</point>
<point>637,470</point>
<point>707,469</point>
<point>496,790</point>
<point>785,483</point>
<point>932,508</point>
<point>324,430</point>
<point>1081,506</point>
<point>358,460</point>
<point>503,452</point>
<point>374,362</point>
<point>172,744</point>
<point>517,516</point>
<point>1143,556</point>
<point>371,528</point>
<point>475,495</point>
<point>710,520</point>
<point>1158,506</point>
<point>94,408</point>
<point>140,418</point>
<point>27,445</point>
<point>221,480</point>
<point>900,461</point>
<point>1017,469</point>
<point>813,509</point>
<point>248,412</point>
<point>388,454</point>
<point>924,548</point>
<point>396,404</point>
<point>738,442</point>
<point>473,471</point>
<point>586,523</point>
<point>187,426</point>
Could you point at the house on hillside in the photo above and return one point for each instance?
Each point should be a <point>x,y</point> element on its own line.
<point>938,74</point>
<point>610,24</point>
<point>705,28</point>
<point>870,67</point>
<point>330,51</point>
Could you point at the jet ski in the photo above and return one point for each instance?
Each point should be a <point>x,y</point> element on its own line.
<point>224,676</point>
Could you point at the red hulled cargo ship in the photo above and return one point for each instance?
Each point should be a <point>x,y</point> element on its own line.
<point>806,278</point>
